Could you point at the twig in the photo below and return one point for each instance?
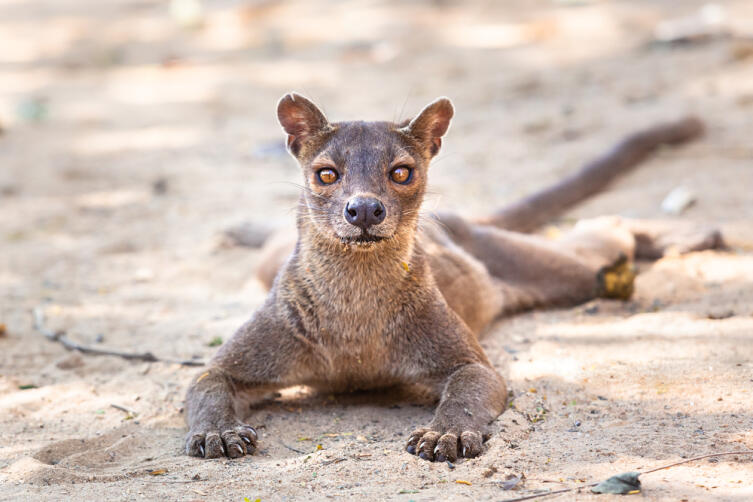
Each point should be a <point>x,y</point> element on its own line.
<point>125,409</point>
<point>171,481</point>
<point>334,461</point>
<point>548,494</point>
<point>292,449</point>
<point>566,490</point>
<point>749,452</point>
<point>59,337</point>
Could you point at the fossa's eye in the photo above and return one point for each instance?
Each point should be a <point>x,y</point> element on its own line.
<point>401,174</point>
<point>327,175</point>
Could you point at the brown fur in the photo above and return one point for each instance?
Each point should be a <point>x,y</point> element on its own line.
<point>402,305</point>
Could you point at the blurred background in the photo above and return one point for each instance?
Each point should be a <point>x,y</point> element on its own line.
<point>105,104</point>
<point>134,133</point>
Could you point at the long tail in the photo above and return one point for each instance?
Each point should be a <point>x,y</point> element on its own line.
<point>545,205</point>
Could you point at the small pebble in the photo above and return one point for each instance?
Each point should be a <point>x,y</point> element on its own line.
<point>678,200</point>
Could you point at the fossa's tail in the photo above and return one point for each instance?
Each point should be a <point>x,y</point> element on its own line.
<point>547,204</point>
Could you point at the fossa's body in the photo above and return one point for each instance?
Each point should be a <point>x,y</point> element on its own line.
<point>366,297</point>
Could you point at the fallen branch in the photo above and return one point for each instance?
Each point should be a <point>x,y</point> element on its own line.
<point>567,490</point>
<point>749,452</point>
<point>61,338</point>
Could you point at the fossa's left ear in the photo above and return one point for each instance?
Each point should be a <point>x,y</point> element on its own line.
<point>431,124</point>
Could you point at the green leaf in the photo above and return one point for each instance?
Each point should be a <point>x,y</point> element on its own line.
<point>215,342</point>
<point>626,483</point>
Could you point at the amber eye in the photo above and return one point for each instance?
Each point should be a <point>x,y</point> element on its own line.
<point>327,176</point>
<point>401,174</point>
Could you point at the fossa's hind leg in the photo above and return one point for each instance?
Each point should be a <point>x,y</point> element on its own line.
<point>591,260</point>
<point>657,238</point>
<point>635,239</point>
<point>532,271</point>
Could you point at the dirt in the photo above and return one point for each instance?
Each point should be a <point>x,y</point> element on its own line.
<point>130,142</point>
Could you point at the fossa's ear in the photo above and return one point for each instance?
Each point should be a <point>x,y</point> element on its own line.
<point>300,118</point>
<point>431,124</point>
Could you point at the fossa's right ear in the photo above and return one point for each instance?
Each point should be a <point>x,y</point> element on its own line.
<point>300,118</point>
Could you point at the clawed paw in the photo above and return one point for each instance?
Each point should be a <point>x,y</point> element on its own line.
<point>233,442</point>
<point>432,445</point>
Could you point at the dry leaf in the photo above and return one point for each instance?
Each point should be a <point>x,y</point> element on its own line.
<point>626,483</point>
<point>511,482</point>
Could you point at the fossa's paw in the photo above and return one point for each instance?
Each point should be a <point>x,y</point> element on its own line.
<point>439,446</point>
<point>213,442</point>
<point>617,281</point>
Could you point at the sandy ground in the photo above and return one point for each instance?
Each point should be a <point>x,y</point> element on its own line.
<point>129,143</point>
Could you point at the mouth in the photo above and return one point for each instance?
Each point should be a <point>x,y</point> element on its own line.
<point>362,240</point>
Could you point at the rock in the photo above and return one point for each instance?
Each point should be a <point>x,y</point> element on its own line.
<point>720,313</point>
<point>70,362</point>
<point>678,200</point>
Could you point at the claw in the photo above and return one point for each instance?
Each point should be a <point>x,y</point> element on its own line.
<point>240,450</point>
<point>421,444</point>
<point>252,431</point>
<point>248,441</point>
<point>464,451</point>
<point>436,449</point>
<point>201,450</point>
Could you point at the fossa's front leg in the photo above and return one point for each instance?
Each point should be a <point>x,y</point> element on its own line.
<point>260,358</point>
<point>473,394</point>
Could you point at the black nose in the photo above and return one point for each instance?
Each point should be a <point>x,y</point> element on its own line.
<point>364,212</point>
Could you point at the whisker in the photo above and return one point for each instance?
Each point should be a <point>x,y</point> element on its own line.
<point>405,102</point>
<point>304,188</point>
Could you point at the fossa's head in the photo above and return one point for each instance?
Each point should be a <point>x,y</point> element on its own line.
<point>364,181</point>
